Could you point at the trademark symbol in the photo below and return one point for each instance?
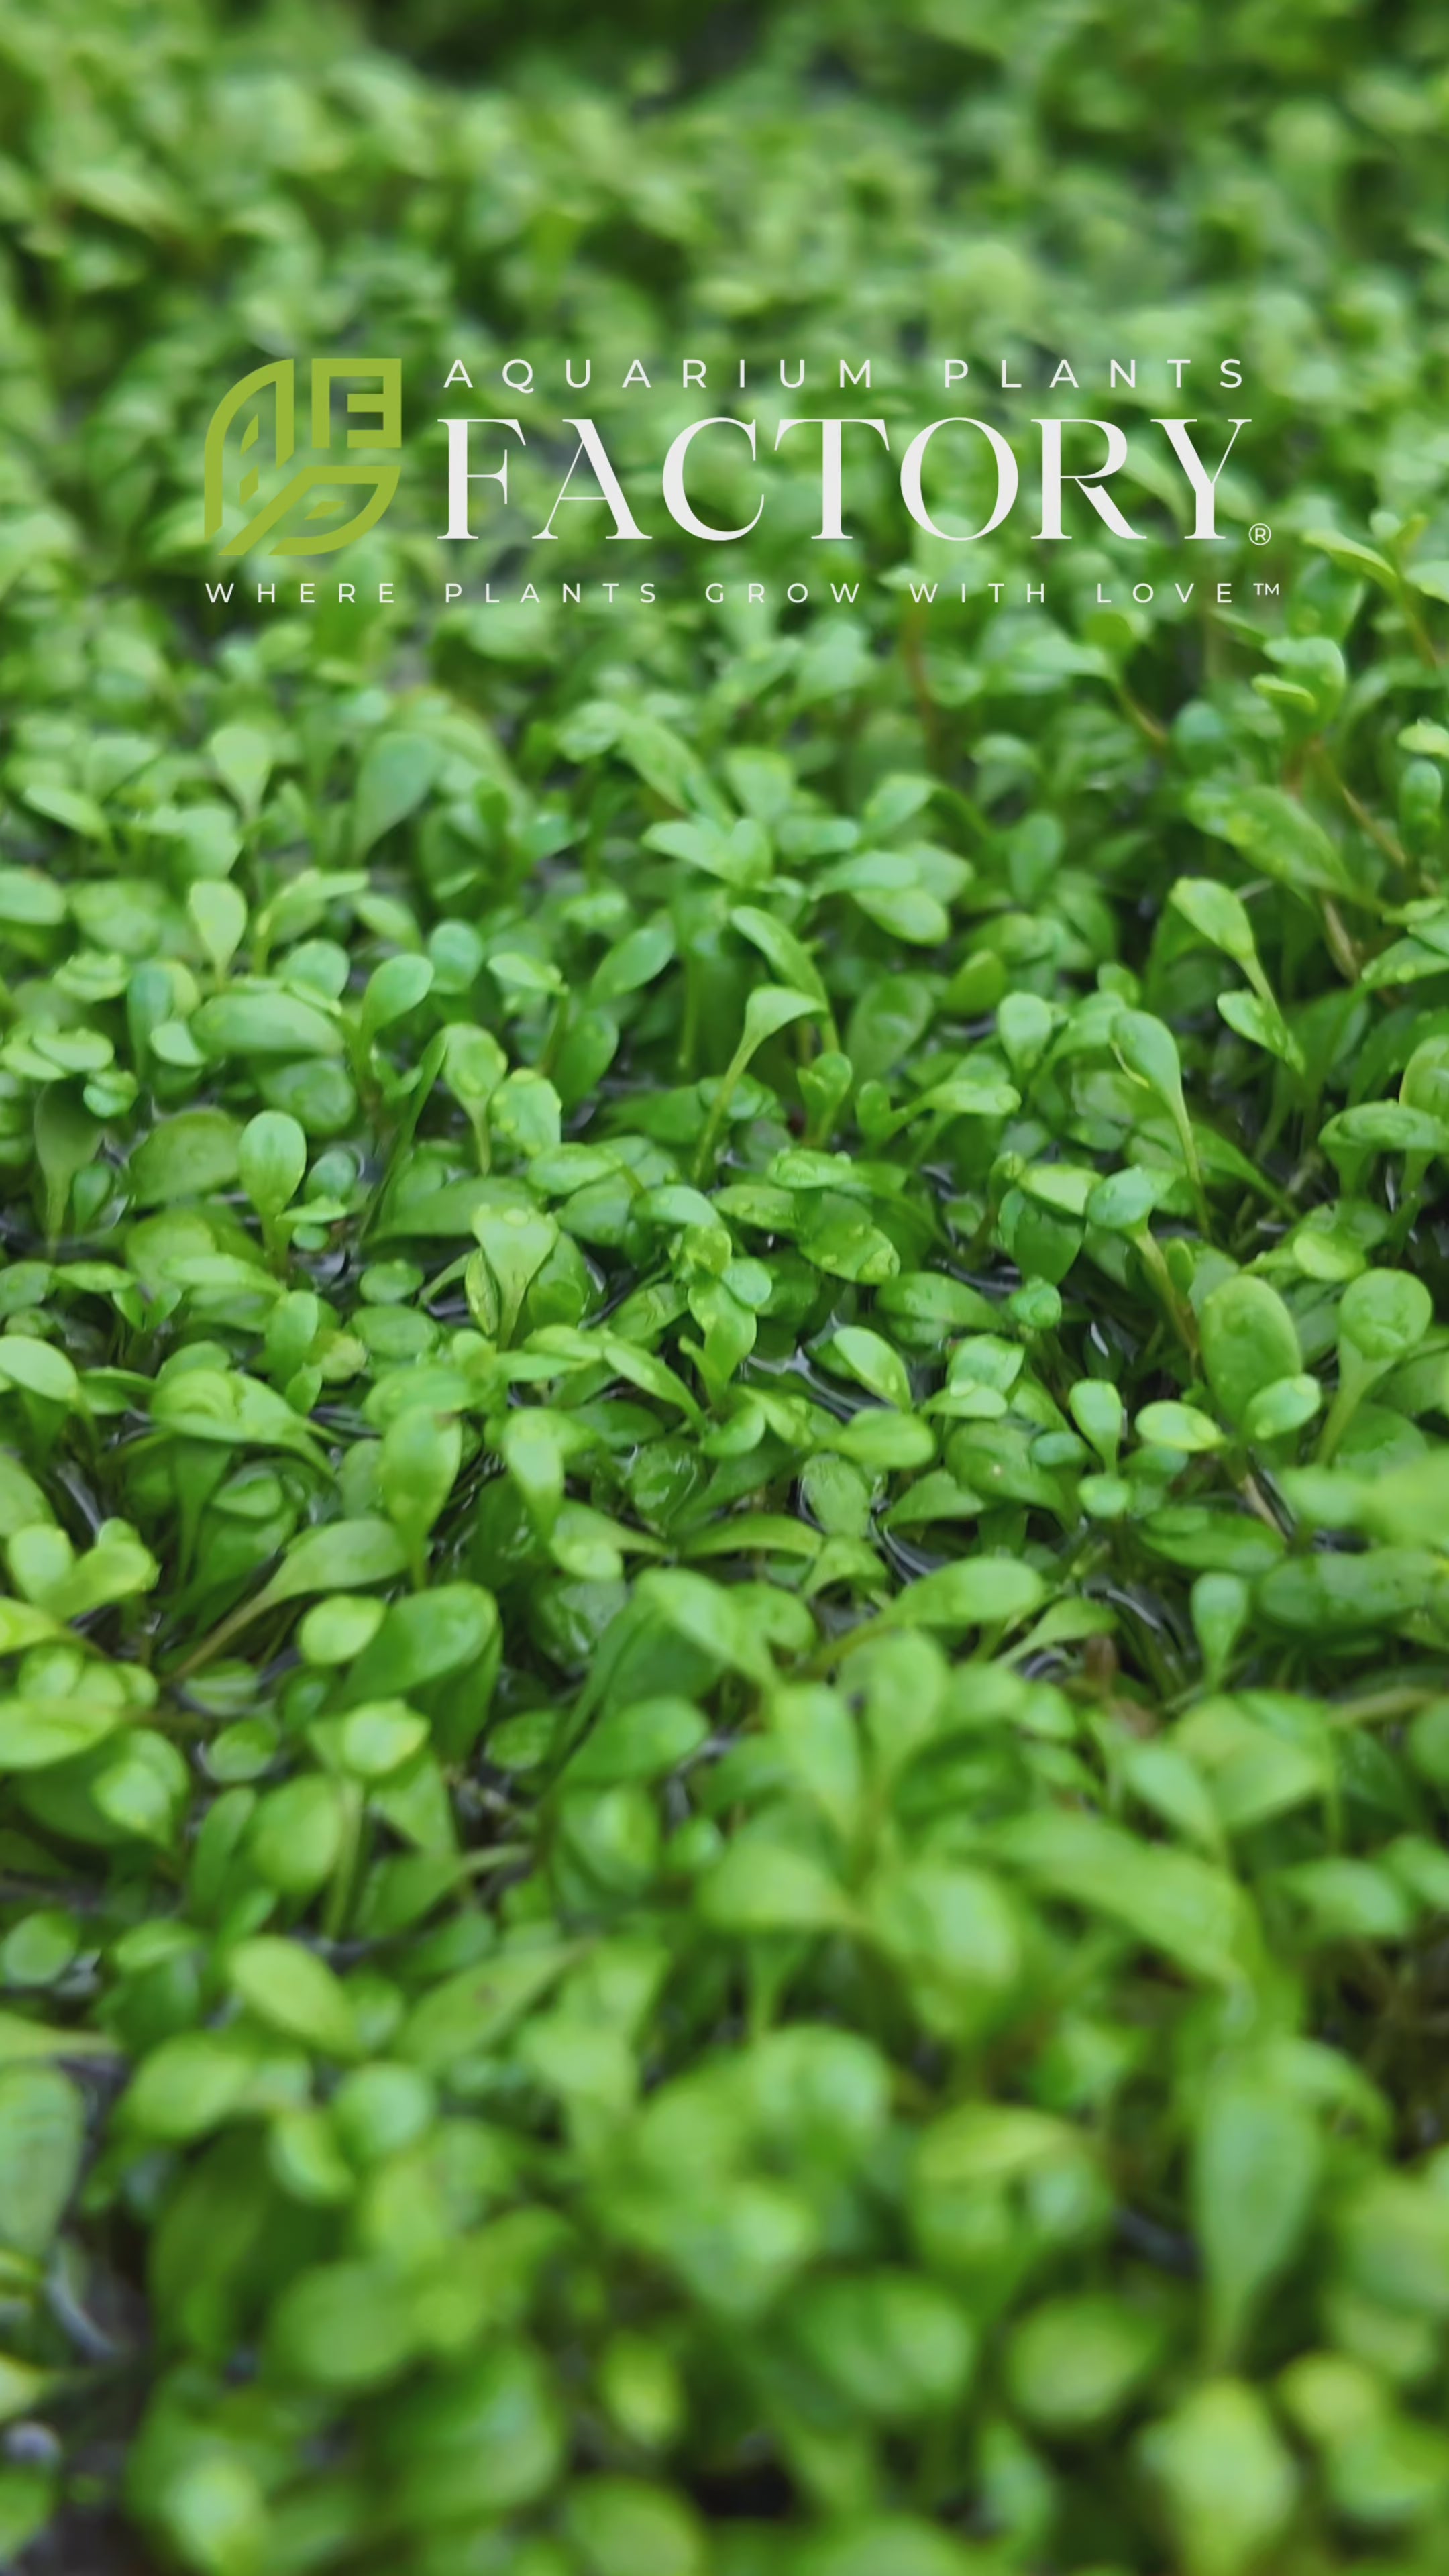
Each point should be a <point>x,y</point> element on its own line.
<point>1258,534</point>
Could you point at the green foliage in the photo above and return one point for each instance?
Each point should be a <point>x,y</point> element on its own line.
<point>724,1357</point>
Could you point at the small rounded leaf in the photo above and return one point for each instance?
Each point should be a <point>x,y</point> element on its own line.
<point>273,1158</point>
<point>294,1992</point>
<point>1383,1315</point>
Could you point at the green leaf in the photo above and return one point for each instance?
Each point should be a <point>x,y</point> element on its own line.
<point>622,2527</point>
<point>768,1887</point>
<point>1383,1316</point>
<point>1222,2468</point>
<point>1073,2364</point>
<point>271,1158</point>
<point>42,2138</point>
<point>983,1591</point>
<point>1217,915</point>
<point>770,1008</point>
<point>397,988</point>
<point>395,775</point>
<point>1352,556</point>
<point>294,1992</point>
<point>296,1836</point>
<point>66,1138</point>
<point>1099,1414</point>
<point>186,2087</point>
<point>1347,1596</point>
<point>343,2327</point>
<point>1277,834</point>
<point>1431,578</point>
<point>35,1734</point>
<point>186,1158</point>
<point>635,961</point>
<point>261,1020</point>
<point>474,2011</point>
<point>450,1629</point>
<point>1255,2173</point>
<point>219,917</point>
<point>38,1368</point>
<point>27,898</point>
<point>243,757</point>
<point>873,1363</point>
<point>893,2346</point>
<point>344,1556</point>
<point>1410,1500</point>
<point>1249,1341</point>
<point>421,1454</point>
<point>1178,1426</point>
<point>376,1740</point>
<point>67,806</point>
<point>786,955</point>
<point>640,1742</point>
<point>703,1614</point>
<point>1184,1908</point>
<point>23,2042</point>
<point>516,1242</point>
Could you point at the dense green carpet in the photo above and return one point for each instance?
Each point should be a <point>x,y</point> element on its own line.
<point>723,1458</point>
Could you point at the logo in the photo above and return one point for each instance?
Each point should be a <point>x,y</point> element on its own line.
<point>265,404</point>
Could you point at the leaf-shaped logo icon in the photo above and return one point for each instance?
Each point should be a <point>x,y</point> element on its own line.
<point>252,436</point>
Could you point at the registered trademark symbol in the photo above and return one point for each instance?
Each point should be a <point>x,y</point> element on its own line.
<point>1258,534</point>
